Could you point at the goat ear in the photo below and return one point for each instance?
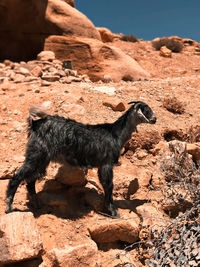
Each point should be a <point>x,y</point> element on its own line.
<point>140,113</point>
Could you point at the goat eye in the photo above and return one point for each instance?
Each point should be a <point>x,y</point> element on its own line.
<point>146,113</point>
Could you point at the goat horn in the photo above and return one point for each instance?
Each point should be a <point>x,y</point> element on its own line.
<point>133,102</point>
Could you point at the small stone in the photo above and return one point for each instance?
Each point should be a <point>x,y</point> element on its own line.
<point>37,71</point>
<point>165,52</point>
<point>194,150</point>
<point>23,71</point>
<point>19,78</point>
<point>109,231</point>
<point>46,56</point>
<point>107,78</point>
<point>50,77</point>
<point>45,83</point>
<point>115,104</point>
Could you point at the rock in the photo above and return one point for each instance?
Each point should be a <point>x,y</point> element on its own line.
<point>71,176</point>
<point>109,231</point>
<point>81,255</point>
<point>194,150</point>
<point>19,78</point>
<point>151,216</point>
<point>107,78</point>
<point>19,238</point>
<point>42,19</point>
<point>165,52</point>
<point>23,71</point>
<point>102,59</point>
<point>45,83</point>
<point>107,35</point>
<point>50,77</point>
<point>70,2</point>
<point>67,80</point>
<point>31,79</point>
<point>36,71</point>
<point>46,56</point>
<point>115,104</point>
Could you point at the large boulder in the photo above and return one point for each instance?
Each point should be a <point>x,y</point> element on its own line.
<point>96,59</point>
<point>24,25</point>
<point>70,2</point>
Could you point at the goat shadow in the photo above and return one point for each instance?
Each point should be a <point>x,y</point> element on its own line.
<point>70,202</point>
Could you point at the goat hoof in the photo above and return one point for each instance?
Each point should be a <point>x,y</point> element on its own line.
<point>9,210</point>
<point>115,214</point>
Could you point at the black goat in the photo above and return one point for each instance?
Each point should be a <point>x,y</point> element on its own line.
<point>54,138</point>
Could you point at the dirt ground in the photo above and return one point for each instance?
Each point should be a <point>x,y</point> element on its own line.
<point>176,77</point>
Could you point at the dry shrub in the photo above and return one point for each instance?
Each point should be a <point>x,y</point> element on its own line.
<point>172,134</point>
<point>176,243</point>
<point>173,105</point>
<point>172,44</point>
<point>179,164</point>
<point>129,38</point>
<point>182,177</point>
<point>193,134</point>
<point>127,78</point>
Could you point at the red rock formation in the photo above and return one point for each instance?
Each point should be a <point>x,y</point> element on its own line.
<point>95,59</point>
<point>24,25</point>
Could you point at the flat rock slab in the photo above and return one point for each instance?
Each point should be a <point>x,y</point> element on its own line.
<point>81,255</point>
<point>19,237</point>
<point>115,230</point>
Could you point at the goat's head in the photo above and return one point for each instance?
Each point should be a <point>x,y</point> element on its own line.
<point>144,112</point>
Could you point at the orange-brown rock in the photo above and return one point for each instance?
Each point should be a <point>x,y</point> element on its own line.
<point>151,215</point>
<point>19,237</point>
<point>41,18</point>
<point>96,59</point>
<point>70,2</point>
<point>71,176</point>
<point>81,255</point>
<point>165,52</point>
<point>107,35</point>
<point>114,104</point>
<point>109,231</point>
<point>194,150</point>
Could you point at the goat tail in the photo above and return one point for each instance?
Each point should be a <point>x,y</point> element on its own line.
<point>37,112</point>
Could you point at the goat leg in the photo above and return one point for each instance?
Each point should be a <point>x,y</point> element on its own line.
<point>11,190</point>
<point>33,196</point>
<point>105,174</point>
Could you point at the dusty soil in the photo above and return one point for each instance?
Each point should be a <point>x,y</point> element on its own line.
<point>178,77</point>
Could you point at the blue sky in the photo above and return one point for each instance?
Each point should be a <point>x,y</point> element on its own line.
<point>146,19</point>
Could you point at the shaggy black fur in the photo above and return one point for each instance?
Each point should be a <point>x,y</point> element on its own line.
<point>54,138</point>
